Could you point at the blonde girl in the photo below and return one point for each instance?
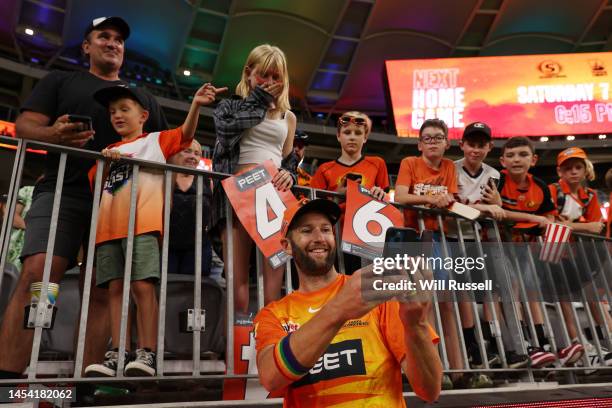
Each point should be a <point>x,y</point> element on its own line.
<point>254,126</point>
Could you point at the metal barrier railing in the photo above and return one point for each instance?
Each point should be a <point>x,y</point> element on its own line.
<point>509,276</point>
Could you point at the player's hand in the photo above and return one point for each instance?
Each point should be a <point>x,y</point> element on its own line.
<point>111,154</point>
<point>67,133</point>
<point>378,193</point>
<point>441,200</point>
<point>490,195</point>
<point>207,94</point>
<point>415,305</point>
<point>352,301</point>
<point>282,180</point>
<point>496,212</point>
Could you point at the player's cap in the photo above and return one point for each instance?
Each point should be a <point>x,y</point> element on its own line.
<point>104,96</point>
<point>321,205</point>
<point>116,22</point>
<point>571,153</point>
<point>477,128</point>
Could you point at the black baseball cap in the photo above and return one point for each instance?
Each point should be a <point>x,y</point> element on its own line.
<point>300,137</point>
<point>321,205</point>
<point>105,96</point>
<point>116,22</point>
<point>477,128</point>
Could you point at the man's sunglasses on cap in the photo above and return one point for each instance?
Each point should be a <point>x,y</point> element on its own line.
<point>356,120</point>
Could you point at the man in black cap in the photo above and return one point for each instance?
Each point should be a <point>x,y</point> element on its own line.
<point>45,116</point>
<point>338,339</point>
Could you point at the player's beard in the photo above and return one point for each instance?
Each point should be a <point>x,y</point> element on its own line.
<point>310,266</point>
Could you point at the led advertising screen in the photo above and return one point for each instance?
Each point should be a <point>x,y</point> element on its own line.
<point>530,95</point>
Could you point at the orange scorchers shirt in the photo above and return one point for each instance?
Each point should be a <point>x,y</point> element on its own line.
<point>361,366</point>
<point>115,200</point>
<point>372,169</point>
<point>423,180</point>
<point>582,208</point>
<point>535,199</point>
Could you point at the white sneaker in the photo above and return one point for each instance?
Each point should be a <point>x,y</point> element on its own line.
<point>594,359</point>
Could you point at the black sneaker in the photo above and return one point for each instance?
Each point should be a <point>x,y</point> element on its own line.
<point>143,365</point>
<point>515,360</point>
<point>476,361</point>
<point>108,368</point>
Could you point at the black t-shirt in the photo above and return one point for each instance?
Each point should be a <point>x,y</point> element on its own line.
<point>183,216</point>
<point>61,93</point>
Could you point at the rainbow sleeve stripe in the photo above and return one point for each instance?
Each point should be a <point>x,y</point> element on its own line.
<point>286,362</point>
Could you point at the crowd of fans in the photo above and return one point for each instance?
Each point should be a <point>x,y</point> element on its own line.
<point>254,126</point>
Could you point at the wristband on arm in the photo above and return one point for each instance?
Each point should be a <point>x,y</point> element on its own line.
<point>286,362</point>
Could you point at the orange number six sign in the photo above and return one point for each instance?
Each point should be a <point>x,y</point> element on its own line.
<point>366,222</point>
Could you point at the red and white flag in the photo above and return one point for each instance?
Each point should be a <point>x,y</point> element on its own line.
<point>555,239</point>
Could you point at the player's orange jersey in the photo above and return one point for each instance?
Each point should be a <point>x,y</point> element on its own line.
<point>361,366</point>
<point>585,205</point>
<point>372,169</point>
<point>423,180</point>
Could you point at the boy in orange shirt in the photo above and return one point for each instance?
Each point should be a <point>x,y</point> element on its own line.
<point>527,202</point>
<point>431,180</point>
<point>370,171</point>
<point>578,208</point>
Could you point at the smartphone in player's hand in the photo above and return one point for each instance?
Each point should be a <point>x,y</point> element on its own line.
<point>399,241</point>
<point>84,120</point>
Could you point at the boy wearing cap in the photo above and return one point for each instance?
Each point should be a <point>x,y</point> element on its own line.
<point>324,345</point>
<point>579,209</point>
<point>577,205</point>
<point>476,189</point>
<point>128,116</point>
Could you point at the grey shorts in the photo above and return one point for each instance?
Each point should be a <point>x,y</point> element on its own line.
<point>72,226</point>
<point>110,259</point>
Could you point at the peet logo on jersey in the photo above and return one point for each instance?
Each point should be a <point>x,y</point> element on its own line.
<point>252,179</point>
<point>118,176</point>
<point>341,359</point>
<point>290,326</point>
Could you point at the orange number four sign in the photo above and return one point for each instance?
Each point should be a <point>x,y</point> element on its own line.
<point>260,208</point>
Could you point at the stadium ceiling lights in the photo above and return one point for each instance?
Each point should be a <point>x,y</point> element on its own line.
<point>186,72</point>
<point>602,136</point>
<point>29,31</point>
<point>570,137</point>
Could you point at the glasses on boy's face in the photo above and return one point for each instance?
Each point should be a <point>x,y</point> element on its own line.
<point>432,139</point>
<point>357,121</point>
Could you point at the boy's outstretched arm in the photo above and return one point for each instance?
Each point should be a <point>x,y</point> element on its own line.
<point>203,96</point>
